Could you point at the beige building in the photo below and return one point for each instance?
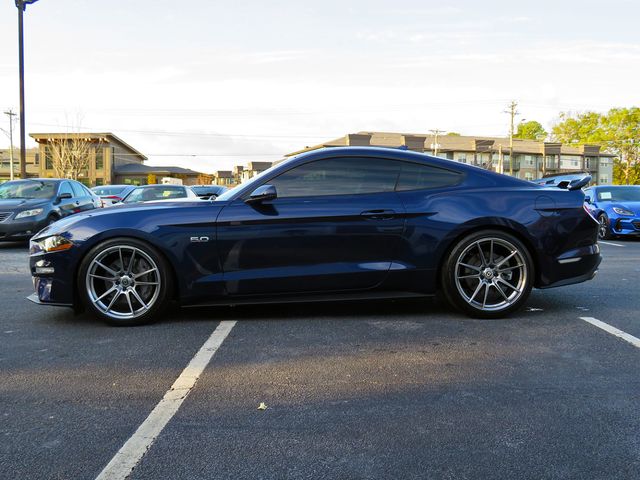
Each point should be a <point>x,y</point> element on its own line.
<point>111,161</point>
<point>224,178</point>
<point>531,159</point>
<point>107,155</point>
<point>252,169</point>
<point>33,163</point>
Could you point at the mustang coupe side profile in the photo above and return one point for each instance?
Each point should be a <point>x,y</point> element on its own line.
<point>617,209</point>
<point>338,223</point>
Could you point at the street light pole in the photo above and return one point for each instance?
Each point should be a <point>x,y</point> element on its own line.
<point>22,5</point>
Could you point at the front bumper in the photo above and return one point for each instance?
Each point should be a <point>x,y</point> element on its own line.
<point>53,278</point>
<point>21,229</point>
<point>626,226</point>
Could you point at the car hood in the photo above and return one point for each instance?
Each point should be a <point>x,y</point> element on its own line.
<point>137,209</point>
<point>8,204</point>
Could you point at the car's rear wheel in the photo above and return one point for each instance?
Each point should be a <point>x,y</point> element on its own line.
<point>488,274</point>
<point>604,230</point>
<point>125,282</point>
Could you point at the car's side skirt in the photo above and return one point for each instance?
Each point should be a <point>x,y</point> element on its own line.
<point>274,299</point>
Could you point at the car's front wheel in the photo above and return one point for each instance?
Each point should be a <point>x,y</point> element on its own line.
<point>604,230</point>
<point>488,274</point>
<point>125,282</point>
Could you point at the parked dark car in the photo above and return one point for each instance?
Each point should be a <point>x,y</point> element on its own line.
<point>337,223</point>
<point>208,192</point>
<point>159,193</point>
<point>27,206</point>
<point>112,194</point>
<point>617,209</point>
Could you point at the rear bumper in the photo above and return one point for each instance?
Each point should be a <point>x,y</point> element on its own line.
<point>575,266</point>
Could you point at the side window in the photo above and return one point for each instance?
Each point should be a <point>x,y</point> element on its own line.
<point>86,191</point>
<point>77,190</point>
<point>338,176</point>
<point>416,177</point>
<point>65,188</point>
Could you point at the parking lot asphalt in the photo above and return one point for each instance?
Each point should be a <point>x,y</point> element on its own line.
<point>387,389</point>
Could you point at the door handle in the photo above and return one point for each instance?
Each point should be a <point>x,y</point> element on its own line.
<point>379,214</point>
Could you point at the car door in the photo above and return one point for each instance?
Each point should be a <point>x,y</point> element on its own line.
<point>335,225</point>
<point>83,199</point>
<point>69,205</point>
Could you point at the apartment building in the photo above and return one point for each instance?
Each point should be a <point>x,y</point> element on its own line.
<point>530,159</point>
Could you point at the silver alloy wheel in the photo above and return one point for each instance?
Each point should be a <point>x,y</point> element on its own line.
<point>123,282</point>
<point>602,228</point>
<point>491,274</point>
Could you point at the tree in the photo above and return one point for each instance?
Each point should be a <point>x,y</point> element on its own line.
<point>70,154</point>
<point>617,132</point>
<point>453,134</point>
<point>530,130</point>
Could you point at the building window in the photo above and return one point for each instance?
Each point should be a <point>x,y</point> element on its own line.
<point>99,182</point>
<point>36,160</point>
<point>604,179</point>
<point>528,176</point>
<point>461,157</point>
<point>99,158</point>
<point>48,158</point>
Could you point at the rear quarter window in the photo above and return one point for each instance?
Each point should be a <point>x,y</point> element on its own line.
<point>414,176</point>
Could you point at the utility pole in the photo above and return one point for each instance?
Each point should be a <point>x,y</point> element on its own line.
<point>436,133</point>
<point>10,114</point>
<point>513,112</point>
<point>22,6</point>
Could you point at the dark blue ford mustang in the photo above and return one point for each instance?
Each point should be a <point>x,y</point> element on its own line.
<point>334,223</point>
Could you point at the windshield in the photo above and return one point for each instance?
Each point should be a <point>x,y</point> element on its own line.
<point>150,194</point>
<point>29,189</point>
<point>111,190</point>
<point>619,194</point>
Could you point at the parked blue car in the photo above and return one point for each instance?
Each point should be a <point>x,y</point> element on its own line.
<point>338,223</point>
<point>617,209</point>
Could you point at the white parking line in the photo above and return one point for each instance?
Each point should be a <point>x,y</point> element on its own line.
<point>611,243</point>
<point>133,450</point>
<point>613,330</point>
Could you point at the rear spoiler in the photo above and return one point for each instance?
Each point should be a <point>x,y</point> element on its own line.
<point>575,184</point>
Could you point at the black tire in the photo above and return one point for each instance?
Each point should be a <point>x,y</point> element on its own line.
<point>128,259</point>
<point>604,227</point>
<point>487,274</point>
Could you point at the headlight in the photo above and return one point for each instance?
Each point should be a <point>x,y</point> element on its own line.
<point>29,213</point>
<point>55,243</point>
<point>622,211</point>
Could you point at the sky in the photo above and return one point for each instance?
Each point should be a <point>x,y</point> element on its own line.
<point>207,84</point>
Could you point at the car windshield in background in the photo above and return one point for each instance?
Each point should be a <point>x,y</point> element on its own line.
<point>29,189</point>
<point>103,191</point>
<point>150,194</point>
<point>213,190</point>
<point>620,194</point>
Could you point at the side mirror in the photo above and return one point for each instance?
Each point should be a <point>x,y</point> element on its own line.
<point>262,194</point>
<point>63,196</point>
<point>587,199</point>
